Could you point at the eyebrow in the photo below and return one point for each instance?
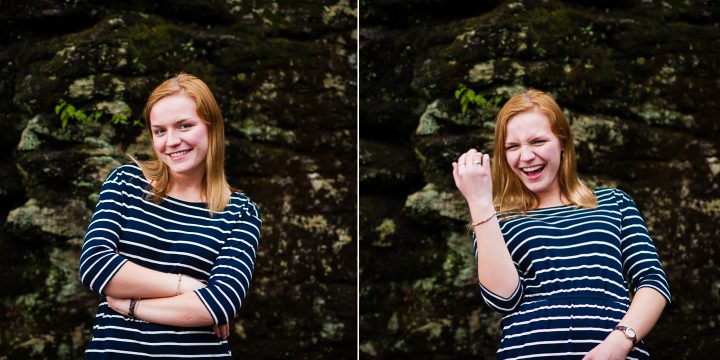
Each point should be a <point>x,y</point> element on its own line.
<point>533,137</point>
<point>175,123</point>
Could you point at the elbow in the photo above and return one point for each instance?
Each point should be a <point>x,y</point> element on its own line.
<point>86,279</point>
<point>503,304</point>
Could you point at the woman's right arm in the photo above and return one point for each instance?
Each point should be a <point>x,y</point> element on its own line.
<point>106,272</point>
<point>496,271</point>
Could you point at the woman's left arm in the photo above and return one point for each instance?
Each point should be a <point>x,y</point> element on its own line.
<point>184,310</point>
<point>220,300</point>
<point>642,267</point>
<point>644,311</point>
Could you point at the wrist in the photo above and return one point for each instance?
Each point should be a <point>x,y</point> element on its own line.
<point>621,340</point>
<point>132,308</point>
<point>481,211</point>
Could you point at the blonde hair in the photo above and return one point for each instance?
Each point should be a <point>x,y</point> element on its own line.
<point>214,183</point>
<point>509,192</point>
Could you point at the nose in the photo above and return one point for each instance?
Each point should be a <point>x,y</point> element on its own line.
<point>172,139</point>
<point>526,154</point>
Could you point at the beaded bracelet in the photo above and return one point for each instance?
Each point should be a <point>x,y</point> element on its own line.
<point>177,291</point>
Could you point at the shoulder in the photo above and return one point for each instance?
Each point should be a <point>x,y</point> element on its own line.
<point>616,199</point>
<point>127,174</point>
<point>611,194</point>
<point>126,171</point>
<point>242,203</point>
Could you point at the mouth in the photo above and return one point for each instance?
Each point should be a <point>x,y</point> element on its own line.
<point>533,172</point>
<point>178,154</point>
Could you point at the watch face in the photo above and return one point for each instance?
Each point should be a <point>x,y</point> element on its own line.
<point>630,332</point>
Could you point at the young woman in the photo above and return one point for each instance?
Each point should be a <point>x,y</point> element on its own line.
<point>552,254</point>
<point>171,247</point>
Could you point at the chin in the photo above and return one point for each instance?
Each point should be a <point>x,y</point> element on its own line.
<point>536,188</point>
<point>176,168</point>
<point>180,170</point>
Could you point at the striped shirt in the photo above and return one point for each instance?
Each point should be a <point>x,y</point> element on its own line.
<point>572,265</point>
<point>174,236</point>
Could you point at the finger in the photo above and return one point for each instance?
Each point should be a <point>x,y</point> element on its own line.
<point>478,157</point>
<point>456,174</point>
<point>226,331</point>
<point>486,160</point>
<point>474,159</point>
<point>461,160</point>
<point>470,157</point>
<point>216,330</point>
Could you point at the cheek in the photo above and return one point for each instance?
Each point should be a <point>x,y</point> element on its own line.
<point>555,154</point>
<point>511,158</point>
<point>199,141</point>
<point>198,136</point>
<point>205,141</point>
<point>157,144</point>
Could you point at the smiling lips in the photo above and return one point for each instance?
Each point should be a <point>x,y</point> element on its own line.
<point>533,172</point>
<point>178,154</point>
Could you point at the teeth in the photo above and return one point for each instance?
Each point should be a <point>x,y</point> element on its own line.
<point>179,153</point>
<point>532,168</point>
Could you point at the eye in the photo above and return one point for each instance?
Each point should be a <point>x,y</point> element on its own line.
<point>539,141</point>
<point>511,147</point>
<point>158,132</point>
<point>185,126</point>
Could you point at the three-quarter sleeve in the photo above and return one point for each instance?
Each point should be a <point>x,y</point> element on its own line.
<point>503,305</point>
<point>99,260</point>
<point>233,268</point>
<point>640,260</point>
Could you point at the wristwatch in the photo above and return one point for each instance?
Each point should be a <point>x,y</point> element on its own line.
<point>628,332</point>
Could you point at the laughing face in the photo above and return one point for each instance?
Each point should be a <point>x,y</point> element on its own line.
<point>180,137</point>
<point>533,152</point>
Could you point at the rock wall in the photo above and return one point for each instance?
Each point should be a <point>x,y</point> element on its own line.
<point>284,73</point>
<point>638,80</point>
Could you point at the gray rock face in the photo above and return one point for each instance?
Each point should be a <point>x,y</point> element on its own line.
<point>637,79</point>
<point>284,74</point>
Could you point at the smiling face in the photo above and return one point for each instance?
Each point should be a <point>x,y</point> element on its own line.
<point>180,136</point>
<point>533,153</point>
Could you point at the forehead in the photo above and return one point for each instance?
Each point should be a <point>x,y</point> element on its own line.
<point>173,108</point>
<point>527,124</point>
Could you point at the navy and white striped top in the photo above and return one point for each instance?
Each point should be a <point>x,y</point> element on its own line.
<point>174,236</point>
<point>572,265</point>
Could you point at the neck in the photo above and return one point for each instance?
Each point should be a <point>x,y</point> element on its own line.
<point>188,188</point>
<point>552,202</point>
<point>550,198</point>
